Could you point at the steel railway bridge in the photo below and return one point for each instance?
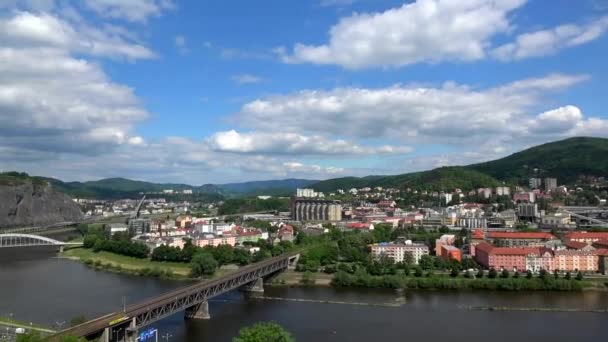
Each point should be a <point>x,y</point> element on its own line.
<point>124,326</point>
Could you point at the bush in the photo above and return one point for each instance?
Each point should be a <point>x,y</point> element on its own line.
<point>492,273</point>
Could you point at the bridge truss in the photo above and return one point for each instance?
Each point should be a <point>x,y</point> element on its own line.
<point>21,240</point>
<point>147,315</point>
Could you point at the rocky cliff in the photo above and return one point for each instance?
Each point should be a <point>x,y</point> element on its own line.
<point>30,202</point>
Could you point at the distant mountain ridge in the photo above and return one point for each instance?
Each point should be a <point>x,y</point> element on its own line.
<point>123,187</point>
<point>565,160</point>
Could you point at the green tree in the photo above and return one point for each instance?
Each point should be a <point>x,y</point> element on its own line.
<point>579,276</point>
<point>223,254</point>
<point>203,264</point>
<point>418,272</point>
<point>555,274</point>
<point>426,262</point>
<point>528,274</point>
<point>504,274</point>
<point>264,332</point>
<point>454,272</point>
<point>568,276</point>
<point>542,274</point>
<point>479,274</point>
<point>492,273</point>
<point>516,275</point>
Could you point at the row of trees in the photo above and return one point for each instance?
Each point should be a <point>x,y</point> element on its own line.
<point>361,278</point>
<point>120,246</point>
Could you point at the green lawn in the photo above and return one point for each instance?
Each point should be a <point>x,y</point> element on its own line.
<point>128,263</point>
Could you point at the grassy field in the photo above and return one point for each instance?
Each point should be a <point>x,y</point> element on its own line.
<point>125,262</point>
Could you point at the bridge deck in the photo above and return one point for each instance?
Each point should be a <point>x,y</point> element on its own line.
<point>98,324</point>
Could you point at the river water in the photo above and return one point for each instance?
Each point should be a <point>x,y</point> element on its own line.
<point>46,291</point>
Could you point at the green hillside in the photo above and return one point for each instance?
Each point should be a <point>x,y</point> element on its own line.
<point>565,160</point>
<point>444,178</point>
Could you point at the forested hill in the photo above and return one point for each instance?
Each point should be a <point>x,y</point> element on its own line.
<point>565,160</point>
<point>435,180</point>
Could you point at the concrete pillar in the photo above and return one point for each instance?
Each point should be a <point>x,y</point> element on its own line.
<point>199,311</point>
<point>132,332</point>
<point>256,286</point>
<point>105,336</point>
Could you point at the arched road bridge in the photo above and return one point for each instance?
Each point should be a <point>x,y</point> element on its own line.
<point>27,240</point>
<point>192,299</point>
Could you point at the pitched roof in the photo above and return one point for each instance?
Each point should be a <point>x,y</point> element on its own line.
<point>587,235</point>
<point>521,235</point>
<point>575,244</point>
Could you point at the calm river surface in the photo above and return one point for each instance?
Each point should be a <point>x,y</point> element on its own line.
<point>49,290</point>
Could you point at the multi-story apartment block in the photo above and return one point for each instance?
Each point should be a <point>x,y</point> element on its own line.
<point>550,184</point>
<point>535,183</point>
<point>539,258</point>
<point>397,251</point>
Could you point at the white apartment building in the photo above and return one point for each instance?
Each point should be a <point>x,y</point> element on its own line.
<point>397,251</point>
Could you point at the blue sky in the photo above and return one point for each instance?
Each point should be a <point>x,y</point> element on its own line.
<point>223,91</point>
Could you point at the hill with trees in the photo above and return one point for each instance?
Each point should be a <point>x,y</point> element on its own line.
<point>565,160</point>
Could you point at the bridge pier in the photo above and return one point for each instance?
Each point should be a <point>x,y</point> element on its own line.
<point>105,336</point>
<point>132,331</point>
<point>257,286</point>
<point>199,311</point>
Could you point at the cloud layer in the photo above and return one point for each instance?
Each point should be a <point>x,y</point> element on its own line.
<point>432,31</point>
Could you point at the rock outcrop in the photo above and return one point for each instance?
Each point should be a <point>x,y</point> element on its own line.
<point>35,203</point>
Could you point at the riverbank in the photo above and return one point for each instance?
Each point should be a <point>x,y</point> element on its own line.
<point>436,282</point>
<point>9,322</point>
<point>111,262</point>
<point>123,264</point>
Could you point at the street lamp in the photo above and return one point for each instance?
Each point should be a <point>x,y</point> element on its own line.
<point>166,337</point>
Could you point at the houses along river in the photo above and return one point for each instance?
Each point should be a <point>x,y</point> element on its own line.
<point>46,291</point>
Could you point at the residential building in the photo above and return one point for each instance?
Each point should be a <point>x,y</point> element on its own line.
<point>503,191</point>
<point>214,240</point>
<point>187,192</point>
<point>539,258</point>
<point>444,247</point>
<point>519,239</point>
<point>535,183</point>
<point>286,233</point>
<point>118,228</point>
<point>556,220</point>
<point>524,197</point>
<point>550,184</point>
<point>306,193</point>
<point>397,251</point>
<point>140,225</point>
<point>306,209</point>
<point>450,253</point>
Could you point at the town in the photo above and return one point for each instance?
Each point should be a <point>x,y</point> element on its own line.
<point>544,226</point>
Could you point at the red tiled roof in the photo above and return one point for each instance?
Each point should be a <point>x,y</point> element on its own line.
<point>485,247</point>
<point>358,225</point>
<point>601,243</point>
<point>489,249</point>
<point>587,235</point>
<point>477,234</point>
<point>601,252</point>
<point>521,235</point>
<point>575,244</point>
